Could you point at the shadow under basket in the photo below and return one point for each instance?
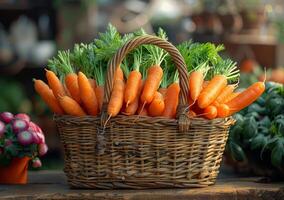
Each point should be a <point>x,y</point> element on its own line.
<point>138,152</point>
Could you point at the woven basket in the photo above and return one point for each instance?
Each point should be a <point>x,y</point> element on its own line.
<point>143,152</point>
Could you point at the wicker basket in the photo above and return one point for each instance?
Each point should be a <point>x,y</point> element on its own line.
<point>143,152</point>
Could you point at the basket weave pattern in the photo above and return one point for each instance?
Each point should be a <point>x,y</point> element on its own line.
<point>143,152</point>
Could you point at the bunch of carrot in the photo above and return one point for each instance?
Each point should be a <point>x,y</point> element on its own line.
<point>210,94</point>
<point>146,83</point>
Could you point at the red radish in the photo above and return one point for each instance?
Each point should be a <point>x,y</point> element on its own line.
<point>36,163</point>
<point>42,149</point>
<point>2,129</point>
<point>1,151</point>
<point>19,125</point>
<point>25,138</point>
<point>6,117</point>
<point>23,116</point>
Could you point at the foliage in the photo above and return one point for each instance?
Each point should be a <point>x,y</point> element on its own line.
<point>260,127</point>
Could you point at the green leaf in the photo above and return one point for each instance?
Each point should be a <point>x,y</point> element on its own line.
<point>12,150</point>
<point>236,152</point>
<point>277,154</point>
<point>265,122</point>
<point>256,108</point>
<point>250,128</point>
<point>257,142</point>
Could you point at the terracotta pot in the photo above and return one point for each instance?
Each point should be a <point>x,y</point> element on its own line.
<point>16,172</point>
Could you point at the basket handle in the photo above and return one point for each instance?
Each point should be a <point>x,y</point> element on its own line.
<point>177,59</point>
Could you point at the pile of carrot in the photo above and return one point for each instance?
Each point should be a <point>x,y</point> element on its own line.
<point>146,83</point>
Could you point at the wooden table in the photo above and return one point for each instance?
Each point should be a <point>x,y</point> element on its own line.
<point>52,185</point>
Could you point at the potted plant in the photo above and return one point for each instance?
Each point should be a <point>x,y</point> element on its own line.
<point>21,141</point>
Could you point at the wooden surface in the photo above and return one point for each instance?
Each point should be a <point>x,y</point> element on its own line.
<point>52,185</point>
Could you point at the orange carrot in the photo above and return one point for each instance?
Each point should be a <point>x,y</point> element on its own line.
<point>223,110</point>
<point>132,87</point>
<point>152,82</point>
<point>163,91</point>
<point>87,95</point>
<point>205,83</point>
<point>210,112</point>
<point>246,97</point>
<point>55,84</point>
<point>171,100</point>
<point>231,96</point>
<point>93,83</point>
<point>100,95</point>
<point>195,84</point>
<point>157,106</point>
<point>211,92</point>
<point>191,113</point>
<point>47,96</point>
<point>228,90</point>
<point>118,74</point>
<point>71,82</point>
<point>132,107</point>
<point>71,107</point>
<point>116,100</point>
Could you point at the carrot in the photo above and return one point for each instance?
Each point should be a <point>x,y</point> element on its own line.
<point>100,95</point>
<point>191,113</point>
<point>171,100</point>
<point>205,83</point>
<point>210,112</point>
<point>132,87</point>
<point>71,82</point>
<point>231,96</point>
<point>55,84</point>
<point>116,100</point>
<point>157,106</point>
<point>118,74</point>
<point>246,97</point>
<point>152,82</point>
<point>134,78</point>
<point>71,107</point>
<point>225,92</point>
<point>132,107</point>
<point>163,91</point>
<point>223,110</point>
<point>195,84</point>
<point>87,95</point>
<point>48,97</point>
<point>93,83</point>
<point>211,92</point>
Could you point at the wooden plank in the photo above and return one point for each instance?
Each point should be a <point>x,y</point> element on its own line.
<point>52,185</point>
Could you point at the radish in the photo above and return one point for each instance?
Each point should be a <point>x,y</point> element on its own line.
<point>19,125</point>
<point>23,116</point>
<point>25,138</point>
<point>1,151</point>
<point>36,163</point>
<point>6,117</point>
<point>42,149</point>
<point>2,129</point>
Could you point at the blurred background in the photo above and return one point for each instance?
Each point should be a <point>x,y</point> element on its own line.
<point>32,31</point>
